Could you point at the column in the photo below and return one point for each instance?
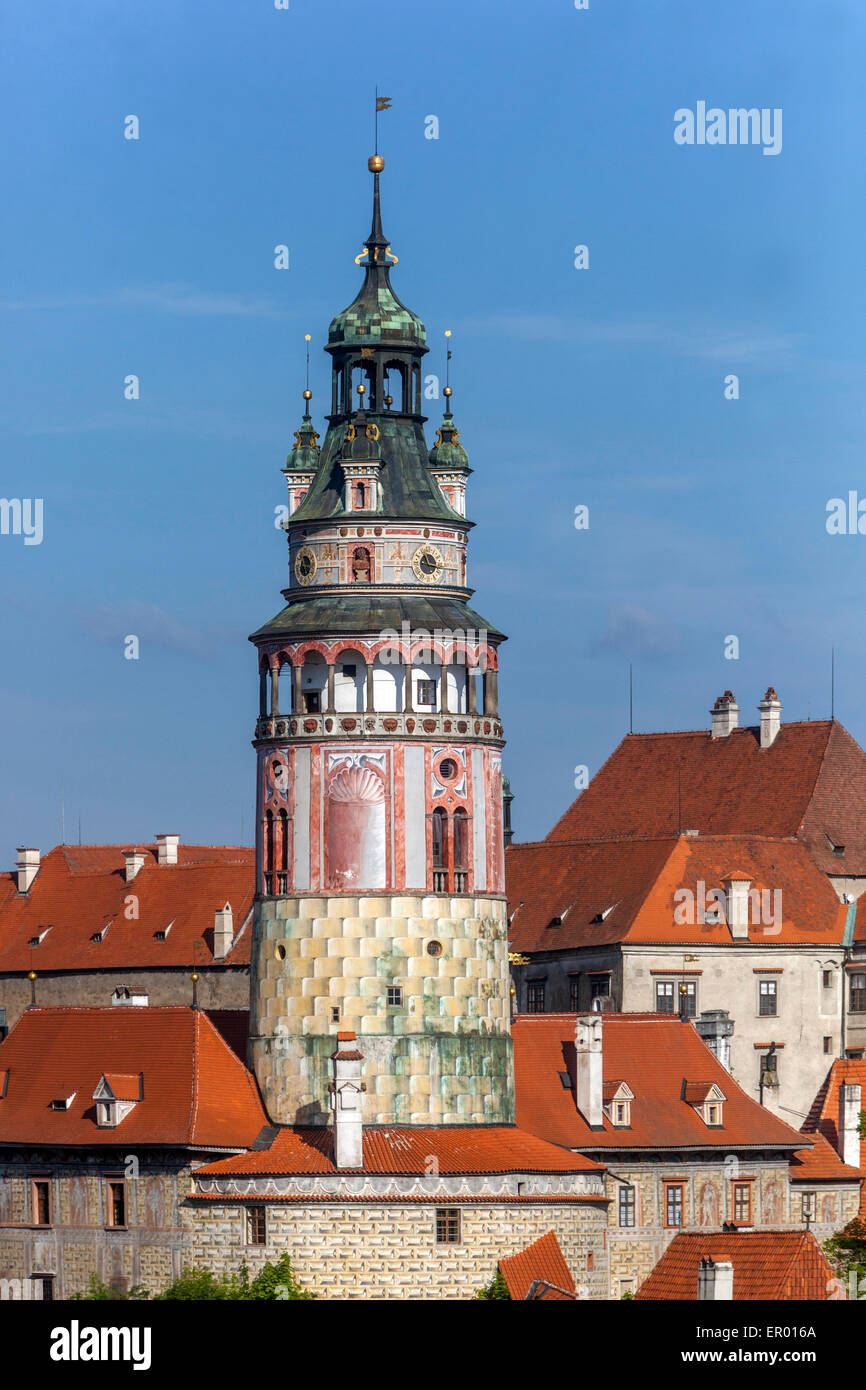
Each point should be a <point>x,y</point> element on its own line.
<point>297,696</point>
<point>491,692</point>
<point>471,690</point>
<point>368,677</point>
<point>263,693</point>
<point>408,707</point>
<point>275,690</point>
<point>443,699</point>
<point>330,702</point>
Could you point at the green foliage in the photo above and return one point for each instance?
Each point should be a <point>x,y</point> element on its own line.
<point>628,1294</point>
<point>104,1293</point>
<point>200,1286</point>
<point>496,1289</point>
<point>846,1251</point>
<point>276,1282</point>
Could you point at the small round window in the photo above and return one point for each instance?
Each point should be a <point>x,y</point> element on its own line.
<point>447,769</point>
<point>434,948</point>
<point>281,952</point>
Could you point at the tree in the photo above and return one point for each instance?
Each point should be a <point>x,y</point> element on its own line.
<point>496,1289</point>
<point>99,1291</point>
<point>846,1251</point>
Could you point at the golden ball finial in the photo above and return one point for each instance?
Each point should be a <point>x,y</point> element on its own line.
<point>375,164</point>
<point>194,976</point>
<point>447,332</point>
<point>31,975</point>
<point>308,395</point>
<point>306,337</point>
<point>446,391</point>
<point>360,388</point>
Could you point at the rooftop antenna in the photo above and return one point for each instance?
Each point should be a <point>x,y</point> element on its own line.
<point>307,341</point>
<point>630,700</point>
<point>79,827</point>
<point>62,818</point>
<point>447,393</point>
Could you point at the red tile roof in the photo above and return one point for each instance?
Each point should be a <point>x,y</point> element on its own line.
<point>457,1149</point>
<point>810,783</point>
<point>541,1261</point>
<point>626,891</point>
<point>657,1055</point>
<point>768,1264</point>
<point>820,1164</point>
<point>81,889</point>
<point>196,1091</point>
<point>823,1117</point>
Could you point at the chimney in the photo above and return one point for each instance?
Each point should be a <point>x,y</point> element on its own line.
<point>166,846</point>
<point>716,1278</point>
<point>771,717</point>
<point>134,862</point>
<point>27,865</point>
<point>223,931</point>
<point>590,1068</point>
<point>724,715</point>
<point>716,1027</point>
<point>347,1103</point>
<point>737,889</point>
<point>847,1127</point>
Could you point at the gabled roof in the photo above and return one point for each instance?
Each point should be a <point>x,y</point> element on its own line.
<point>196,1092</point>
<point>457,1149</point>
<point>82,889</point>
<point>820,1164</point>
<point>823,1117</point>
<point>541,1262</point>
<point>120,1087</point>
<point>645,882</point>
<point>810,783</point>
<point>768,1264</point>
<point>656,1054</point>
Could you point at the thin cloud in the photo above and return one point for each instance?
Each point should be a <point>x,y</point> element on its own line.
<point>708,344</point>
<point>159,299</point>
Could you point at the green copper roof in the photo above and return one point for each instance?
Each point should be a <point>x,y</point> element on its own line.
<point>377,316</point>
<point>372,611</point>
<point>408,488</point>
<point>306,452</point>
<point>448,452</point>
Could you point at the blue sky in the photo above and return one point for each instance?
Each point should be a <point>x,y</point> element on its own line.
<point>602,387</point>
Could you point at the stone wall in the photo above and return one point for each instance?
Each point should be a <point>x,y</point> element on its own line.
<point>151,1249</point>
<point>441,1057</point>
<point>219,987</point>
<point>366,1250</point>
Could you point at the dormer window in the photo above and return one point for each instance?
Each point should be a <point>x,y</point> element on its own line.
<point>617,1097</point>
<point>115,1096</point>
<point>38,940</point>
<point>63,1103</point>
<point>101,934</point>
<point>708,1101</point>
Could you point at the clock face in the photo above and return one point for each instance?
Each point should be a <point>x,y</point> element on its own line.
<point>305,565</point>
<point>427,563</point>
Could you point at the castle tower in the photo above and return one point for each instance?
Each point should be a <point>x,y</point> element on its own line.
<point>380,895</point>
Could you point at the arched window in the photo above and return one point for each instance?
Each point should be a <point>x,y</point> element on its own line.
<point>439,823</point>
<point>460,831</point>
<point>360,497</point>
<point>282,867</point>
<point>268,850</point>
<point>361,565</point>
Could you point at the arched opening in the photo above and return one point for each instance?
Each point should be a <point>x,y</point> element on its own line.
<point>387,686</point>
<point>361,565</point>
<point>439,850</point>
<point>268,852</point>
<point>350,685</point>
<point>455,684</point>
<point>363,373</point>
<point>460,836</point>
<point>282,866</point>
<point>395,380</point>
<point>425,676</point>
<point>313,684</point>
